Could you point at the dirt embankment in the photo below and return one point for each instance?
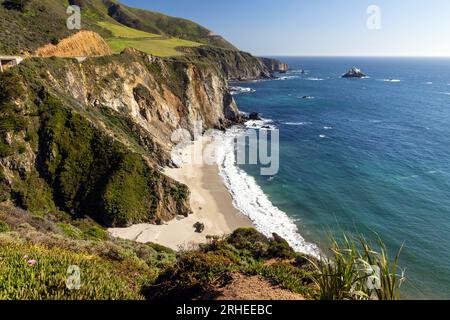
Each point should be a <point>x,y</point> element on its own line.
<point>81,44</point>
<point>252,288</point>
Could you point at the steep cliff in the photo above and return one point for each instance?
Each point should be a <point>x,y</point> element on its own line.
<point>89,138</point>
<point>275,65</point>
<point>234,65</point>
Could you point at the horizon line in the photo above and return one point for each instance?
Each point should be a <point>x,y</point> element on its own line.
<point>348,56</point>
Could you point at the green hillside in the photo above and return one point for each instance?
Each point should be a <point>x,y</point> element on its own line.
<point>124,37</point>
<point>29,24</point>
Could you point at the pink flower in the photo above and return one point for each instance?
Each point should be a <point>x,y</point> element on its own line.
<point>25,257</point>
<point>31,262</point>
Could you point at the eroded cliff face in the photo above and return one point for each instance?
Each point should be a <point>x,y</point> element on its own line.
<point>90,138</point>
<point>157,94</point>
<point>234,65</point>
<point>275,65</point>
<point>82,44</point>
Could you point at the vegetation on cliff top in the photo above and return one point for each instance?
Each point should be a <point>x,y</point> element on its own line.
<point>44,21</point>
<point>125,37</point>
<point>35,253</point>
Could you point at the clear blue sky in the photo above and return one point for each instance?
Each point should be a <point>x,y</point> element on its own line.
<point>320,27</point>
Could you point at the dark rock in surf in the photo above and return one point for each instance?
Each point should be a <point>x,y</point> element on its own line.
<point>354,73</point>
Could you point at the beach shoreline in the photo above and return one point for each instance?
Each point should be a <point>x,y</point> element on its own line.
<point>210,201</point>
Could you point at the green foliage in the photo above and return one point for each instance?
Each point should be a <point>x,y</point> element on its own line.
<point>3,226</point>
<point>43,22</point>
<point>157,47</point>
<point>289,277</point>
<point>71,231</point>
<point>54,40</point>
<point>46,279</point>
<point>21,149</point>
<point>126,195</point>
<point>161,24</point>
<point>29,27</point>
<point>110,268</point>
<point>258,246</point>
<point>245,251</point>
<point>11,119</point>
<point>345,274</point>
<point>121,31</point>
<point>33,194</point>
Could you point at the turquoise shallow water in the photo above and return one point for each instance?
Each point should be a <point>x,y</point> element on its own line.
<point>369,155</point>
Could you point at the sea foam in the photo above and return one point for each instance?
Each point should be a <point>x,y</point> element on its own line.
<point>286,78</point>
<point>297,123</point>
<point>249,198</point>
<point>235,90</point>
<point>314,79</point>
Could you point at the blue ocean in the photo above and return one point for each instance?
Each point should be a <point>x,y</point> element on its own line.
<point>368,156</point>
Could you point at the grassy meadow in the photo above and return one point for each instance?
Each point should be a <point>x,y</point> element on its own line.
<point>124,37</point>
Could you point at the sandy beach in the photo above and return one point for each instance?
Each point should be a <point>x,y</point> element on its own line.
<point>210,201</point>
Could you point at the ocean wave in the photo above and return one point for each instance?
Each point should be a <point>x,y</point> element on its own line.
<point>260,124</point>
<point>234,90</point>
<point>391,80</point>
<point>283,78</point>
<point>322,136</point>
<point>314,79</point>
<point>249,198</point>
<point>297,123</point>
<point>328,128</point>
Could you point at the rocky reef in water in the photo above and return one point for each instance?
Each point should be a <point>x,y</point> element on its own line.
<point>354,72</point>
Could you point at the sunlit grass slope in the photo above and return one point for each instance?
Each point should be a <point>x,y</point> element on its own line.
<point>151,43</point>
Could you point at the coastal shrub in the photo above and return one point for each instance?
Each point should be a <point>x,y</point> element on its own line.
<point>32,193</point>
<point>288,277</point>
<point>250,240</point>
<point>279,248</point>
<point>71,231</point>
<point>4,227</point>
<point>115,264</point>
<point>196,273</point>
<point>349,272</point>
<point>390,280</point>
<point>191,276</point>
<point>30,272</point>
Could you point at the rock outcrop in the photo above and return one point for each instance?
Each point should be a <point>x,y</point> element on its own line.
<point>81,44</point>
<point>275,65</point>
<point>234,65</point>
<point>354,73</point>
